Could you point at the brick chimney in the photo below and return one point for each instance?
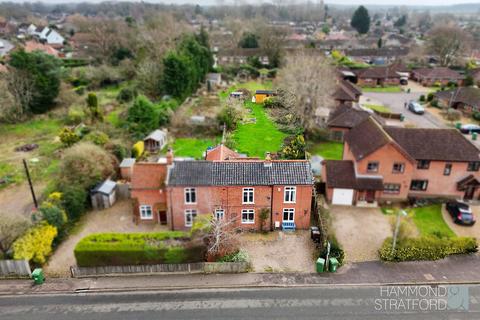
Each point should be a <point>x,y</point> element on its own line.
<point>268,160</point>
<point>169,156</point>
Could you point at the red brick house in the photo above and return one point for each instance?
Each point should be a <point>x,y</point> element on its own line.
<point>174,192</point>
<point>378,76</point>
<point>382,163</point>
<point>439,76</point>
<point>465,99</point>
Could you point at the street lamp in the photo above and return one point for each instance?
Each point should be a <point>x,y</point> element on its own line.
<point>397,226</point>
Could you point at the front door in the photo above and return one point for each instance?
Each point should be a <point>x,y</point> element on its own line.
<point>469,193</point>
<point>370,196</point>
<point>163,217</point>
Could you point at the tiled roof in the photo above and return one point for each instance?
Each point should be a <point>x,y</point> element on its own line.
<point>341,174</point>
<point>377,73</point>
<point>221,152</point>
<point>365,138</point>
<point>434,144</point>
<point>467,95</point>
<point>438,73</point>
<point>347,117</point>
<point>249,173</point>
<point>347,91</point>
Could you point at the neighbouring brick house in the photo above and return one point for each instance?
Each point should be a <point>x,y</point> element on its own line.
<point>378,76</point>
<point>347,93</point>
<point>382,163</point>
<point>465,99</point>
<point>439,76</point>
<point>174,192</point>
<point>344,117</point>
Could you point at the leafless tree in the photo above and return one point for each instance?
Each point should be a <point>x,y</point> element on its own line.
<point>308,81</point>
<point>271,40</point>
<point>19,89</point>
<point>10,230</point>
<point>221,235</point>
<point>448,42</point>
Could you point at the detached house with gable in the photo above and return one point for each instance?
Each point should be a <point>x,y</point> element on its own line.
<point>174,192</point>
<point>383,163</point>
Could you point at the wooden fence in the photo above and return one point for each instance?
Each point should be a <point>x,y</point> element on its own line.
<point>14,269</point>
<point>200,267</point>
<point>389,115</point>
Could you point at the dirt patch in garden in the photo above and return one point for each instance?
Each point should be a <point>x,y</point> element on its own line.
<point>280,251</point>
<point>361,231</point>
<point>16,200</point>
<point>118,218</point>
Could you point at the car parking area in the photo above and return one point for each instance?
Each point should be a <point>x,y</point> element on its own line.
<point>361,231</point>
<point>460,230</point>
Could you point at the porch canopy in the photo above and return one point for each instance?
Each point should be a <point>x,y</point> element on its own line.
<point>469,181</point>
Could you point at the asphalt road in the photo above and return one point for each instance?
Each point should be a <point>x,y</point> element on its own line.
<point>395,101</point>
<point>350,302</point>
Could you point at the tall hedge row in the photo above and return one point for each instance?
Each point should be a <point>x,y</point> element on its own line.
<point>426,248</point>
<point>113,249</point>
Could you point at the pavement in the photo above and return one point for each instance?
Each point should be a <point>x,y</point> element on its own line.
<point>349,302</point>
<point>455,269</point>
<point>396,102</point>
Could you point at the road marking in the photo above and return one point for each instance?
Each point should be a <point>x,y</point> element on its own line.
<point>429,276</point>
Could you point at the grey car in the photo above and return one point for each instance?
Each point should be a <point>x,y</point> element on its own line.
<point>416,107</point>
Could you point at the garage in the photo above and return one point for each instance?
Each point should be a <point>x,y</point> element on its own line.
<point>342,196</point>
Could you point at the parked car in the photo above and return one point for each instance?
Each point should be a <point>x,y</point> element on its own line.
<point>469,128</point>
<point>461,213</point>
<point>416,107</point>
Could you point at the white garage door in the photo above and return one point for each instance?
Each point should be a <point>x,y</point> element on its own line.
<point>342,197</point>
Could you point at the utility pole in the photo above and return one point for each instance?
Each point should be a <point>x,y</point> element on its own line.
<point>30,184</point>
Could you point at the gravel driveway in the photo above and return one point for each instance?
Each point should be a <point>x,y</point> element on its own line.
<point>115,219</point>
<point>361,231</point>
<point>395,101</point>
<point>280,251</point>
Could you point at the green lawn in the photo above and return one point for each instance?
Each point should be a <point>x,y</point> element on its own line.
<point>429,221</point>
<point>193,147</point>
<point>383,89</point>
<point>379,108</point>
<point>329,150</point>
<point>258,137</point>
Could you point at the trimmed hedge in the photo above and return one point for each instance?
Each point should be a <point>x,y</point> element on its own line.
<point>426,248</point>
<point>113,249</point>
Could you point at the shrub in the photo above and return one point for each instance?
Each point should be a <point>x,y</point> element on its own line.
<point>36,244</point>
<point>336,250</point>
<point>110,249</point>
<point>238,256</point>
<point>476,115</point>
<point>295,149</point>
<point>97,137</point>
<point>74,201</point>
<point>434,103</point>
<point>126,95</point>
<point>422,98</point>
<point>86,164</point>
<point>426,248</point>
<point>119,151</point>
<point>92,100</point>
<point>138,149</point>
<point>453,114</point>
<point>229,117</point>
<point>430,97</point>
<point>75,116</point>
<point>54,215</point>
<point>68,137</point>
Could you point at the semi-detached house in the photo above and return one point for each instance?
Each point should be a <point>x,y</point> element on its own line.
<point>384,163</point>
<point>174,192</point>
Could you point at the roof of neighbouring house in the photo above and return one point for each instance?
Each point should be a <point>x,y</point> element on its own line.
<point>156,135</point>
<point>240,173</point>
<point>264,92</point>
<point>438,73</point>
<point>105,187</point>
<point>434,144</point>
<point>127,163</point>
<point>366,138</point>
<point>341,174</point>
<point>221,153</point>
<point>347,91</point>
<point>380,52</point>
<point>31,46</point>
<point>466,95</point>
<point>377,72</point>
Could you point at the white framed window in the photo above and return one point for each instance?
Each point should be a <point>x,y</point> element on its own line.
<point>248,196</point>
<point>290,194</point>
<point>248,216</point>
<point>190,214</point>
<point>146,212</point>
<point>288,214</point>
<point>190,195</point>
<point>219,214</point>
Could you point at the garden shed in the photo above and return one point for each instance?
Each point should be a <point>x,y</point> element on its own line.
<point>156,140</point>
<point>104,195</point>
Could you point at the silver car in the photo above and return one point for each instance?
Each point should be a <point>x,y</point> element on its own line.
<point>416,107</point>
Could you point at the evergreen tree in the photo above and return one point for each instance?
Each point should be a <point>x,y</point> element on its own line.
<point>361,20</point>
<point>142,117</point>
<point>249,41</point>
<point>379,43</point>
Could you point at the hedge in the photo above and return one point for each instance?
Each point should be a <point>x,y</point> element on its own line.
<point>113,249</point>
<point>36,244</point>
<point>426,248</point>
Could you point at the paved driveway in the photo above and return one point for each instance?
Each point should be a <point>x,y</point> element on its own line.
<point>280,251</point>
<point>361,231</point>
<point>463,231</point>
<point>396,101</point>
